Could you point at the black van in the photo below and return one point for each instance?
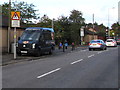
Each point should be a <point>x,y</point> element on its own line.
<point>35,41</point>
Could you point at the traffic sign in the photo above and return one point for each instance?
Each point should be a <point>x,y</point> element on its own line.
<point>15,15</point>
<point>15,23</point>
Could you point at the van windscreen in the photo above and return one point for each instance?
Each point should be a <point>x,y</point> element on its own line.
<point>30,35</point>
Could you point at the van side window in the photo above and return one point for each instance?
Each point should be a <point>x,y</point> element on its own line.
<point>47,36</point>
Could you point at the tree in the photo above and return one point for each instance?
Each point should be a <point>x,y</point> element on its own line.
<point>116,28</point>
<point>45,21</point>
<point>62,29</point>
<point>76,21</point>
<point>27,10</point>
<point>5,9</point>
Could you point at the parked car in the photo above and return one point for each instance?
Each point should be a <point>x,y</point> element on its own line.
<point>118,41</point>
<point>111,42</point>
<point>97,44</point>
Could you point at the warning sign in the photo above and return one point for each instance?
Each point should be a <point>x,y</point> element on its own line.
<point>15,15</point>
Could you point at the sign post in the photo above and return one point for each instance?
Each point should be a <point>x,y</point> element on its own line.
<point>82,34</point>
<point>15,17</point>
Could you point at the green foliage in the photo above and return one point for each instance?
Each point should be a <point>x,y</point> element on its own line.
<point>76,21</point>
<point>5,9</point>
<point>116,28</point>
<point>45,21</point>
<point>27,10</point>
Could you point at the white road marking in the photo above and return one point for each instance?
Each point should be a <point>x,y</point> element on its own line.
<point>48,73</point>
<point>83,50</point>
<point>99,52</point>
<point>77,61</point>
<point>91,56</point>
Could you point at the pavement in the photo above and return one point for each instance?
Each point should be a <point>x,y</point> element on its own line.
<point>8,58</point>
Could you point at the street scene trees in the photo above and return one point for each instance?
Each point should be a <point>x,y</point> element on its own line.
<point>66,27</point>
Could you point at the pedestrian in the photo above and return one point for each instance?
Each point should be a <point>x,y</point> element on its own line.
<point>63,47</point>
<point>60,45</point>
<point>73,46</point>
<point>66,45</point>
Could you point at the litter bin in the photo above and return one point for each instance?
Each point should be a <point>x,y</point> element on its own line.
<point>12,47</point>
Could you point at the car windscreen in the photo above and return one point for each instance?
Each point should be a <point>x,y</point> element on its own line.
<point>95,42</point>
<point>31,35</point>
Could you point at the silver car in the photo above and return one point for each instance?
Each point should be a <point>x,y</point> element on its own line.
<point>97,44</point>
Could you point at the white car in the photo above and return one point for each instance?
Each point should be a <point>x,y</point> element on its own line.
<point>111,42</point>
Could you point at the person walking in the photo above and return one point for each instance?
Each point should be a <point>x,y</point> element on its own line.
<point>66,45</point>
<point>73,46</point>
<point>60,45</point>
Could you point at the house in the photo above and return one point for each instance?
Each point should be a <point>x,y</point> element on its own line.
<point>90,34</point>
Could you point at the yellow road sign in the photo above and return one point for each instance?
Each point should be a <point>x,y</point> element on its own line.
<point>15,15</point>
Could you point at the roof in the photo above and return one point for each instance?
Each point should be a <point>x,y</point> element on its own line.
<point>40,28</point>
<point>90,32</point>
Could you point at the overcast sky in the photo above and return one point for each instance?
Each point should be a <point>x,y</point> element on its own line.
<point>55,8</point>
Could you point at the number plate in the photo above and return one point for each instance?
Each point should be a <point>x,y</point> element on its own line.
<point>94,44</point>
<point>23,51</point>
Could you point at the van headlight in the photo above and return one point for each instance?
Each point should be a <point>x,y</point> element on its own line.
<point>33,45</point>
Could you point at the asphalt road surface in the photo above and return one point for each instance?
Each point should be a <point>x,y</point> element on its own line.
<point>77,69</point>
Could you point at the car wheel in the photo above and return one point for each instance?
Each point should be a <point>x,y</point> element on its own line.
<point>105,48</point>
<point>89,49</point>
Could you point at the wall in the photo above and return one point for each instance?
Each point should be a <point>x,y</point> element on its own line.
<point>4,38</point>
<point>88,38</point>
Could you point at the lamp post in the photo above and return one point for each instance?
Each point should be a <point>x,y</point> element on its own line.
<point>109,21</point>
<point>53,23</point>
<point>93,25</point>
<point>9,22</point>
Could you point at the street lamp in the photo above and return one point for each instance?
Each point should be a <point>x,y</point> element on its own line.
<point>53,23</point>
<point>93,26</point>
<point>109,21</point>
<point>9,21</point>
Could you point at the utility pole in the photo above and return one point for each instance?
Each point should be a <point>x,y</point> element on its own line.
<point>9,24</point>
<point>93,25</point>
<point>109,21</point>
<point>52,23</point>
<point>108,25</point>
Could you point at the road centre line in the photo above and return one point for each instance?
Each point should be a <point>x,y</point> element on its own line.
<point>83,50</point>
<point>48,73</point>
<point>91,56</point>
<point>77,61</point>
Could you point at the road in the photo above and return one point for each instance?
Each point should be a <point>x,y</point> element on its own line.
<point>77,69</point>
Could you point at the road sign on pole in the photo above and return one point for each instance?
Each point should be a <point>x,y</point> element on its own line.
<point>15,17</point>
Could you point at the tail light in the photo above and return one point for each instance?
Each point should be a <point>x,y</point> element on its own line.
<point>114,42</point>
<point>89,43</point>
<point>99,43</point>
